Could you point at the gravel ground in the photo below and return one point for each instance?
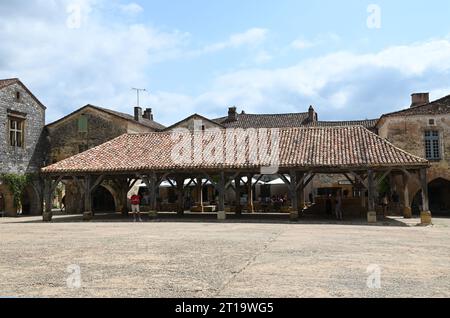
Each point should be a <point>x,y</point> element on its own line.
<point>231,259</point>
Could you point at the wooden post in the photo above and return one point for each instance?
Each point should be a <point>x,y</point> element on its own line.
<point>407,213</point>
<point>237,183</point>
<point>47,215</point>
<point>250,207</point>
<point>301,193</point>
<point>221,215</point>
<point>371,214</point>
<point>200,194</point>
<point>180,191</point>
<point>87,214</point>
<point>294,195</point>
<point>425,214</point>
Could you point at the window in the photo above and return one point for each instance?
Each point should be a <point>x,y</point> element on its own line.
<point>18,96</point>
<point>82,124</point>
<point>431,122</point>
<point>432,145</point>
<point>16,129</point>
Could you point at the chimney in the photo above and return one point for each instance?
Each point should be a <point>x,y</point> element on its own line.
<point>232,114</point>
<point>419,99</point>
<point>312,115</point>
<point>137,113</point>
<point>148,114</point>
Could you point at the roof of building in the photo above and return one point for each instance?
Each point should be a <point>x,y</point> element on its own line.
<point>10,81</point>
<point>191,117</point>
<point>144,122</point>
<point>438,107</point>
<point>300,148</point>
<point>289,120</point>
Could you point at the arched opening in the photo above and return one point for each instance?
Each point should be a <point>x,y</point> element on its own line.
<point>26,203</point>
<point>439,197</point>
<point>103,200</point>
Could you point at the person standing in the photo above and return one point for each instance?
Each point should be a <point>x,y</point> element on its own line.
<point>135,206</point>
<point>329,205</point>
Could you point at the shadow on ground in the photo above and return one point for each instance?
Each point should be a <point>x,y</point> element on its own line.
<point>267,218</point>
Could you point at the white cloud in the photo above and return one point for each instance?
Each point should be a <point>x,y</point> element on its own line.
<point>131,8</point>
<point>251,37</point>
<point>323,39</point>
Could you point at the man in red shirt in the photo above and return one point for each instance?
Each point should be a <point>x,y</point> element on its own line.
<point>135,206</point>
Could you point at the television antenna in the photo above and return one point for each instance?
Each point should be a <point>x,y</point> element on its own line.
<point>138,92</point>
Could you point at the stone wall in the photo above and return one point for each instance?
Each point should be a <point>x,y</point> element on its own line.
<point>408,133</point>
<point>29,158</point>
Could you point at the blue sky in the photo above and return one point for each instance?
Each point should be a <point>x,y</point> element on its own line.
<point>203,56</point>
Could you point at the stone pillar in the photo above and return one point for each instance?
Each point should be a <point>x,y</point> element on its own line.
<point>407,213</point>
<point>200,194</point>
<point>250,208</point>
<point>47,214</point>
<point>87,214</point>
<point>221,215</point>
<point>237,183</point>
<point>371,214</point>
<point>425,214</point>
<point>294,195</point>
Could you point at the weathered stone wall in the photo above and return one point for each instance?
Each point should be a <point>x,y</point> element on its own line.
<point>408,133</point>
<point>29,158</point>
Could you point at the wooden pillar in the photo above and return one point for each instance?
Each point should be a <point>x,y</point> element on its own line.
<point>87,213</point>
<point>425,214</point>
<point>180,192</point>
<point>200,194</point>
<point>250,207</point>
<point>237,183</point>
<point>294,195</point>
<point>371,214</point>
<point>407,213</point>
<point>221,215</point>
<point>47,214</point>
<point>301,193</point>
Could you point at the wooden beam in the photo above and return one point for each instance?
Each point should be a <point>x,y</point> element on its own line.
<point>96,183</point>
<point>379,180</point>
<point>285,180</point>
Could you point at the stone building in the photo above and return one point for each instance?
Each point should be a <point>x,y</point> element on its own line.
<point>423,130</point>
<point>22,119</point>
<point>89,127</point>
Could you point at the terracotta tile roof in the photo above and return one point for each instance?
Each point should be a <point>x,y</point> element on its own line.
<point>287,121</point>
<point>437,107</point>
<point>301,148</point>
<point>264,120</point>
<point>144,121</point>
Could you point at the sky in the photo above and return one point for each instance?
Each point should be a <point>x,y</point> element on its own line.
<point>350,59</point>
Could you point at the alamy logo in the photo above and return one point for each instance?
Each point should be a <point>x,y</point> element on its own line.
<point>374,278</point>
<point>74,279</point>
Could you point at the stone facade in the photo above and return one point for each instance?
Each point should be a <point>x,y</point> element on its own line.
<point>408,133</point>
<point>16,102</point>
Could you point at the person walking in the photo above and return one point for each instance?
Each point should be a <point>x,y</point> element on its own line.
<point>135,206</point>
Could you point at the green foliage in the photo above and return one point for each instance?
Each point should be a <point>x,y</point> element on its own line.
<point>16,184</point>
